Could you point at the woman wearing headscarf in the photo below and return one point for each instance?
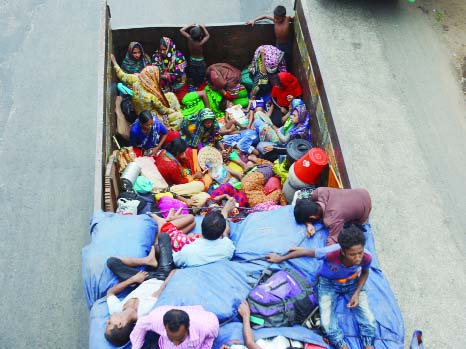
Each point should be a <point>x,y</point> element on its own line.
<point>296,126</point>
<point>172,65</point>
<point>267,60</point>
<point>201,129</point>
<point>149,96</point>
<point>224,78</point>
<point>149,134</point>
<point>180,168</point>
<point>284,88</point>
<point>135,59</point>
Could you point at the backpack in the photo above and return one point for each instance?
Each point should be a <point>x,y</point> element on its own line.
<point>284,299</point>
<point>128,109</point>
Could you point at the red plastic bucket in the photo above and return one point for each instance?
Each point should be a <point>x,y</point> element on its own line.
<point>310,166</point>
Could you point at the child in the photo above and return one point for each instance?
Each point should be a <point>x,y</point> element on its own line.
<point>214,245</point>
<point>197,37</point>
<point>177,226</point>
<point>235,118</point>
<point>282,31</point>
<point>344,271</point>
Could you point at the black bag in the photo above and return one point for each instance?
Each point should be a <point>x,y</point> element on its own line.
<point>128,109</point>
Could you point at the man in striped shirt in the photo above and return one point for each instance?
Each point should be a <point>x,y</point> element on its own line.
<point>183,327</point>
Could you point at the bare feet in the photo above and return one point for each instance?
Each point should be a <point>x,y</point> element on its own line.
<point>150,259</point>
<point>253,156</point>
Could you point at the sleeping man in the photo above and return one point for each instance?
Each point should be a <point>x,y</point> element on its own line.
<point>125,313</point>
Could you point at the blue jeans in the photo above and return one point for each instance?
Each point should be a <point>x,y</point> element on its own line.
<point>329,290</point>
<point>243,140</point>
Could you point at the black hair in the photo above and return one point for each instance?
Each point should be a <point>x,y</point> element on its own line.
<point>120,336</point>
<point>351,236</point>
<point>145,116</point>
<point>176,146</point>
<point>196,33</point>
<point>279,11</point>
<point>213,225</point>
<point>223,104</point>
<point>175,318</point>
<point>303,209</point>
<point>275,80</point>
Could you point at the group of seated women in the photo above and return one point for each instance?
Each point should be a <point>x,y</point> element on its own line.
<point>244,116</point>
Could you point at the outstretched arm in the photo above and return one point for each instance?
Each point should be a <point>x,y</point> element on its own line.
<point>127,79</point>
<point>120,287</point>
<point>206,34</point>
<point>294,252</point>
<point>253,21</point>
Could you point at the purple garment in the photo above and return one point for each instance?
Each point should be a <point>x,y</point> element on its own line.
<point>341,206</point>
<point>333,268</point>
<point>266,170</point>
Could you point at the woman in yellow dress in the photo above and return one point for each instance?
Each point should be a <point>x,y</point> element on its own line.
<point>149,96</point>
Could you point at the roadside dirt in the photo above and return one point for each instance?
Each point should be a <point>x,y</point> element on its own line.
<point>448,17</point>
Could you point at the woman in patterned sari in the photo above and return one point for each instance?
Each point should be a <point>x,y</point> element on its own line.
<point>135,59</point>
<point>149,96</point>
<point>172,65</point>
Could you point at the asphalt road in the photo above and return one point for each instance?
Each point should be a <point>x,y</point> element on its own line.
<point>48,104</point>
<point>400,118</point>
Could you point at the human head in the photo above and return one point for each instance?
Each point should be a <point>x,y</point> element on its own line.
<point>207,117</point>
<point>279,13</point>
<point>118,329</point>
<point>224,104</point>
<point>166,46</point>
<point>352,241</point>
<point>213,225</point>
<point>177,148</point>
<point>306,211</point>
<point>146,121</point>
<point>176,324</point>
<point>135,51</point>
<point>196,33</point>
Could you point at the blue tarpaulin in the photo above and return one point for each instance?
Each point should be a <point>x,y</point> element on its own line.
<point>221,286</point>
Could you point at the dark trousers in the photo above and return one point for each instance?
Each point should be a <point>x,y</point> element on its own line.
<point>196,71</point>
<point>165,263</point>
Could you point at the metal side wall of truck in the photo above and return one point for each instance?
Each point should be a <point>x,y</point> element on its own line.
<point>232,43</point>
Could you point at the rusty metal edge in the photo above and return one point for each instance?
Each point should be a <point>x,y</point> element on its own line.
<point>100,120</point>
<point>298,6</point>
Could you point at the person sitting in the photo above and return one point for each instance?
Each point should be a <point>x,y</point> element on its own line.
<point>283,31</point>
<point>344,272</point>
<point>135,59</point>
<point>214,245</point>
<point>197,37</point>
<point>235,115</point>
<point>177,327</point>
<point>225,79</point>
<point>178,165</point>
<point>172,65</point>
<point>193,102</point>
<point>149,134</point>
<point>267,61</point>
<point>149,96</point>
<point>296,126</point>
<point>123,314</point>
<point>336,207</point>
<point>285,87</point>
<point>201,129</point>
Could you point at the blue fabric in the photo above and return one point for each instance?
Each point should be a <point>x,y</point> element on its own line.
<point>112,235</point>
<point>203,251</point>
<point>146,141</point>
<point>221,286</point>
<point>332,267</point>
<point>243,140</point>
